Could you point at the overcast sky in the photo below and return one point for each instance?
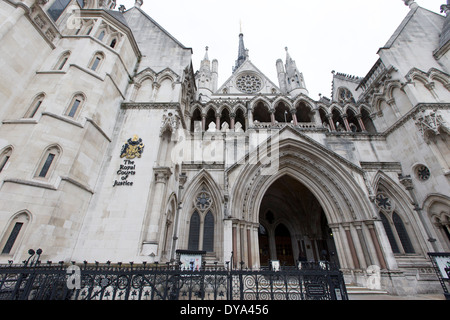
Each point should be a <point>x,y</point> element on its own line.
<point>322,35</point>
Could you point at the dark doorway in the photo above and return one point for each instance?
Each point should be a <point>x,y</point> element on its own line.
<point>293,225</point>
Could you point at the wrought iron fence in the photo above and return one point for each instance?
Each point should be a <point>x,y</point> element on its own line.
<point>49,281</point>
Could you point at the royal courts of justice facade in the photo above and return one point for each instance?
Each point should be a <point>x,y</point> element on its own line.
<point>112,147</point>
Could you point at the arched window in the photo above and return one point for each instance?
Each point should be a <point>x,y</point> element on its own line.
<point>47,163</point>
<point>35,105</point>
<point>194,232</point>
<point>96,61</point>
<point>196,118</point>
<point>389,233</point>
<point>393,224</point>
<point>101,35</point>
<point>113,43</point>
<point>202,224</point>
<point>75,106</point>
<point>396,232</point>
<point>367,121</point>
<point>4,158</point>
<point>14,234</point>
<point>261,113</point>
<point>303,113</point>
<point>344,95</point>
<point>240,118</point>
<point>208,233</point>
<point>402,233</point>
<point>282,113</point>
<point>62,61</point>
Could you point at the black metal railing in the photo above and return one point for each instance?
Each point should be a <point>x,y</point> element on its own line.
<point>50,281</point>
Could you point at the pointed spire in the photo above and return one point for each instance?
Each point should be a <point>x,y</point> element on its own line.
<point>242,52</point>
<point>295,83</point>
<point>206,54</point>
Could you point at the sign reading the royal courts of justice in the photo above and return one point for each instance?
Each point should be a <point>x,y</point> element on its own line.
<point>131,150</point>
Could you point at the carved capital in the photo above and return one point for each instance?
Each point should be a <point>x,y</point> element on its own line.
<point>162,174</point>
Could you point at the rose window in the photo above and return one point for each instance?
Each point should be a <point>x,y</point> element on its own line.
<point>423,173</point>
<point>249,83</point>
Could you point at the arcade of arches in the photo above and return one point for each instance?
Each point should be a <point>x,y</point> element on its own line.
<point>293,226</point>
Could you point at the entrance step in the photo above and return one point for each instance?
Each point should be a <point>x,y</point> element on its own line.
<point>356,290</point>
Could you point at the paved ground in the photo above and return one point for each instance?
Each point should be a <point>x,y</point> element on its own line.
<point>389,297</point>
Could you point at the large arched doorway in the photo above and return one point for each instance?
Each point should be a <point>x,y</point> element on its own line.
<point>293,226</point>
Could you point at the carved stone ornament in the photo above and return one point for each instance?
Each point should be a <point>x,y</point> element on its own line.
<point>430,121</point>
<point>203,200</point>
<point>383,202</point>
<point>170,121</point>
<point>133,148</point>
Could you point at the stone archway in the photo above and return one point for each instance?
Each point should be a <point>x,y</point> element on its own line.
<point>293,226</point>
<point>339,187</point>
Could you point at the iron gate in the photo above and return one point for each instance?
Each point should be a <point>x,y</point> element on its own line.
<point>48,281</point>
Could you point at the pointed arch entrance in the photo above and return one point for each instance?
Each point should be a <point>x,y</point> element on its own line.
<point>293,226</point>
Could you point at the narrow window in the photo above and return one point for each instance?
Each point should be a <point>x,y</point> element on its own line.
<point>4,158</point>
<point>74,108</point>
<point>3,163</point>
<point>389,233</point>
<point>47,164</point>
<point>35,109</point>
<point>402,234</point>
<point>89,31</point>
<point>194,232</point>
<point>101,35</point>
<point>12,238</point>
<point>63,62</point>
<point>208,233</point>
<point>34,106</point>
<point>113,43</point>
<point>95,64</point>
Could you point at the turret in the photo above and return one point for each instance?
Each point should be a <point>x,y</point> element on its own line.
<point>281,76</point>
<point>295,83</point>
<point>206,77</point>
<point>444,40</point>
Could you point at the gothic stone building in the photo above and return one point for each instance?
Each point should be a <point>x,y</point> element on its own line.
<point>113,148</point>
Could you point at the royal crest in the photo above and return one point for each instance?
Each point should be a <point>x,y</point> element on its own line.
<point>133,148</point>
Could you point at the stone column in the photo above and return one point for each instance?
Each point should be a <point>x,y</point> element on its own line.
<point>347,126</point>
<point>330,122</point>
<point>218,123</point>
<point>150,244</point>
<point>249,118</point>
<point>361,123</point>
<point>376,243</point>
<point>294,116</point>
<point>203,122</point>
<point>235,245</point>
<point>272,116</point>
<point>232,119</point>
<point>351,246</point>
<point>249,247</point>
<point>362,240</point>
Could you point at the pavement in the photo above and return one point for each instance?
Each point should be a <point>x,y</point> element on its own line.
<point>392,297</point>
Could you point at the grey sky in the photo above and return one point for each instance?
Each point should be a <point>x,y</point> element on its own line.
<point>322,36</point>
